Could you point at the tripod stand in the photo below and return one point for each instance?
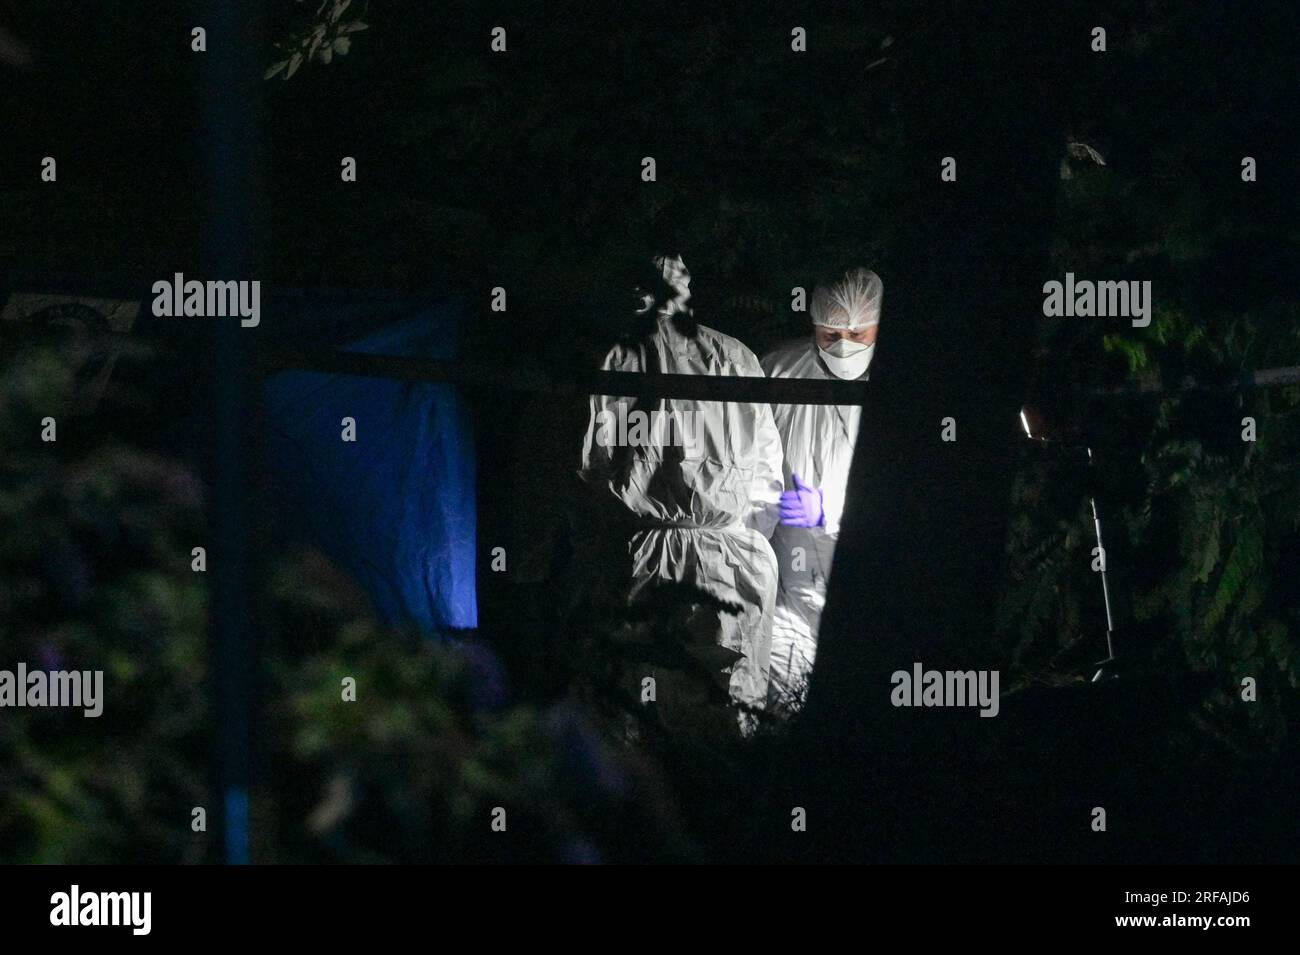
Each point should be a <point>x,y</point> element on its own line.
<point>1076,453</point>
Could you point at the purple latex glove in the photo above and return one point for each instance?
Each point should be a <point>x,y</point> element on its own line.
<point>802,507</point>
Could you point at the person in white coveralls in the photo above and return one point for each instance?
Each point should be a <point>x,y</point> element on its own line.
<point>701,484</point>
<point>818,443</point>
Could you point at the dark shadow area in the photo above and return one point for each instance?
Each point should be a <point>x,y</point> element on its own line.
<point>522,172</point>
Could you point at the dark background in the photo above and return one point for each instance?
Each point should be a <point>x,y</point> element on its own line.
<point>775,169</point>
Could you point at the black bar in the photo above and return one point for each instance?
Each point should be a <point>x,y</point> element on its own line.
<point>228,906</point>
<point>802,391</point>
<point>1263,378</point>
<point>791,391</point>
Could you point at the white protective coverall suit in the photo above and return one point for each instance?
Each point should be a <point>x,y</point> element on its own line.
<point>818,442</point>
<point>705,504</point>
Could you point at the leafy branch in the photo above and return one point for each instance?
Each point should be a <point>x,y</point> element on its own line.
<point>328,36</point>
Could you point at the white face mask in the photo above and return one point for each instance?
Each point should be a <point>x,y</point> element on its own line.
<point>848,359</point>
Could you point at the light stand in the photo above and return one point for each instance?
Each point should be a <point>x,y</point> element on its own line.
<point>1107,669</point>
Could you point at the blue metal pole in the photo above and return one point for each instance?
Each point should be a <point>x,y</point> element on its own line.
<point>228,74</point>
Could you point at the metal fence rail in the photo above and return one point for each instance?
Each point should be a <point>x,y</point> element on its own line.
<point>569,383</point>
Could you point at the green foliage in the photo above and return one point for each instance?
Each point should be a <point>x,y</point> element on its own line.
<point>327,36</point>
<point>1209,520</point>
<point>95,574</point>
<point>95,537</point>
<point>1202,525</point>
<point>412,770</point>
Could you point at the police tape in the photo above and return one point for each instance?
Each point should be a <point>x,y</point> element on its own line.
<point>573,382</point>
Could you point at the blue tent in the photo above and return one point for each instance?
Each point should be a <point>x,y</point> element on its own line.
<point>395,506</point>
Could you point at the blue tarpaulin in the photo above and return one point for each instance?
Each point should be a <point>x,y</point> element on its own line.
<point>396,507</point>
